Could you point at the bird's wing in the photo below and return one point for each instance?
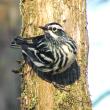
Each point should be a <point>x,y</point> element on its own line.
<point>37,49</point>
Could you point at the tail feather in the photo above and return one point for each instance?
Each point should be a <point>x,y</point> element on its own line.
<point>18,41</point>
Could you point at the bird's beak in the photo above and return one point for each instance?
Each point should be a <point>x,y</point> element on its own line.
<point>42,27</point>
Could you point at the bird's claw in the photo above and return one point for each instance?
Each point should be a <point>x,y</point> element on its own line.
<point>60,87</point>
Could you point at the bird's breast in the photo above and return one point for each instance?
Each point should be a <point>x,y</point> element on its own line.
<point>65,57</point>
<point>69,52</point>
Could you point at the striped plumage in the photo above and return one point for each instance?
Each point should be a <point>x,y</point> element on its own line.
<point>52,52</point>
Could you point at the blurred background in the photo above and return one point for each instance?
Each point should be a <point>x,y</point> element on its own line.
<point>98,15</point>
<point>10,22</point>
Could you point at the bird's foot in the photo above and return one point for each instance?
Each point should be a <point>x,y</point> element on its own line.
<point>19,70</point>
<point>60,87</point>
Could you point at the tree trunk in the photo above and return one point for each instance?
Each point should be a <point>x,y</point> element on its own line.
<point>38,94</point>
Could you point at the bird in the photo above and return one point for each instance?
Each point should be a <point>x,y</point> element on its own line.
<point>52,52</point>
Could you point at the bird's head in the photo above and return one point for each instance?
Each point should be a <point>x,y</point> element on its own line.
<point>55,30</point>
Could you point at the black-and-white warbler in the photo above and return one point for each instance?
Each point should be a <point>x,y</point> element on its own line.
<point>53,52</point>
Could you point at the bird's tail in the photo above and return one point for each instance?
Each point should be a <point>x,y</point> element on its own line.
<point>18,41</point>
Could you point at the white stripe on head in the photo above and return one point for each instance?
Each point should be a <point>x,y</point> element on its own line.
<point>56,26</point>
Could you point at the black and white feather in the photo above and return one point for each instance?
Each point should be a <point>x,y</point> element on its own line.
<point>53,52</point>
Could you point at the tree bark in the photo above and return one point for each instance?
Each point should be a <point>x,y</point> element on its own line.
<point>38,94</point>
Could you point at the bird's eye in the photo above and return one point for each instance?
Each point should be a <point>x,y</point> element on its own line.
<point>54,29</point>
